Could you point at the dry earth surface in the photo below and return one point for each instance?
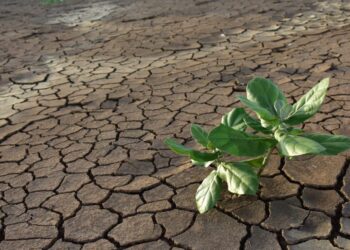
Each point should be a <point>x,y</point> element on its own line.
<point>89,90</point>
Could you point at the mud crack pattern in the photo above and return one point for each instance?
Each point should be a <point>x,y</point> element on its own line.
<point>89,90</point>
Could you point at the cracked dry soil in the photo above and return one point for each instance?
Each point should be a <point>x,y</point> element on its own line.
<point>89,90</point>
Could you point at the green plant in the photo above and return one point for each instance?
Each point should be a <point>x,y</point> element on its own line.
<point>239,134</point>
<point>51,1</point>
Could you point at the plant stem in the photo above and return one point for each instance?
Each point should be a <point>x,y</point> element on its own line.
<point>266,158</point>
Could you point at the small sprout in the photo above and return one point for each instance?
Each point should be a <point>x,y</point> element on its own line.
<point>242,135</point>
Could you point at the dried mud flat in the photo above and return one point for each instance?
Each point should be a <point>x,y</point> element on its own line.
<point>89,90</point>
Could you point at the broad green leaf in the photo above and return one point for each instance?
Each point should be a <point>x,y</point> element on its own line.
<point>203,156</point>
<point>197,156</point>
<point>177,148</point>
<point>278,105</point>
<point>208,192</point>
<point>265,93</point>
<point>239,143</point>
<point>292,145</point>
<point>200,135</point>
<point>256,125</point>
<point>309,104</point>
<point>295,131</point>
<point>255,162</point>
<point>203,164</point>
<point>262,112</point>
<point>283,109</point>
<point>334,144</point>
<point>240,178</point>
<point>235,119</point>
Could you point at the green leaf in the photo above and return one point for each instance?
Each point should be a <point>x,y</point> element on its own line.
<point>262,113</point>
<point>334,144</point>
<point>51,1</point>
<point>235,119</point>
<point>256,125</point>
<point>292,145</point>
<point>203,164</point>
<point>177,148</point>
<point>200,135</point>
<point>294,131</point>
<point>197,156</point>
<point>282,109</point>
<point>255,162</point>
<point>203,156</point>
<point>265,93</point>
<point>309,104</point>
<point>208,192</point>
<point>239,143</point>
<point>240,178</point>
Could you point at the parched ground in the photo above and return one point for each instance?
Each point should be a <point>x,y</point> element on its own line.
<point>89,90</point>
